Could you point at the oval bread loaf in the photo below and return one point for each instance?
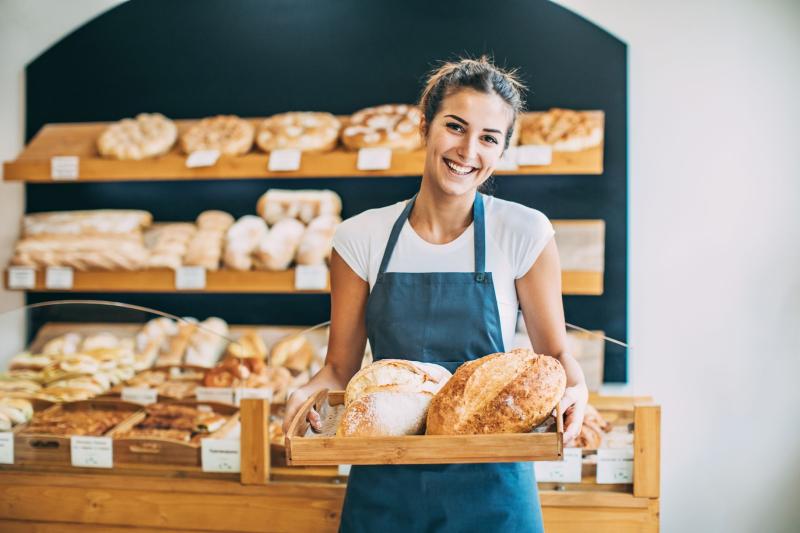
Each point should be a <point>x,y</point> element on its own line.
<point>510,392</point>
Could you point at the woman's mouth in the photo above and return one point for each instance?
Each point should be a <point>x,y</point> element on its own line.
<point>457,169</point>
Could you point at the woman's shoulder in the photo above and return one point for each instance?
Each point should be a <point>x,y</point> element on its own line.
<point>514,218</point>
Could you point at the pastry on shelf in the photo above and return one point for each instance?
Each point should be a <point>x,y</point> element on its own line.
<point>14,412</point>
<point>317,243</point>
<point>294,352</point>
<point>564,130</point>
<point>249,372</point>
<point>394,126</point>
<point>248,345</point>
<point>304,205</point>
<point>241,240</point>
<point>183,423</point>
<point>85,420</point>
<point>147,135</point>
<point>207,343</point>
<point>228,134</point>
<point>168,243</point>
<point>205,248</point>
<point>277,249</point>
<point>306,131</point>
<point>174,348</point>
<point>102,222</point>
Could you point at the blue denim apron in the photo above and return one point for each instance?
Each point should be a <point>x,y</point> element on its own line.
<point>446,318</point>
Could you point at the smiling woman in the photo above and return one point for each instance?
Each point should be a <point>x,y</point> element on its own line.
<point>439,279</point>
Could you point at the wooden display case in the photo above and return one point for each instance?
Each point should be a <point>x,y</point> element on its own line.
<point>54,140</point>
<point>267,498</point>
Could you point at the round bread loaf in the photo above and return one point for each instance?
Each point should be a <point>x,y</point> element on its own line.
<point>390,398</point>
<point>510,392</point>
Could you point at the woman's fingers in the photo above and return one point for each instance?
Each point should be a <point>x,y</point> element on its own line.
<point>315,420</point>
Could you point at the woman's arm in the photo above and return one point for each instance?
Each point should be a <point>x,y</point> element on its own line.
<point>539,293</point>
<point>348,337</point>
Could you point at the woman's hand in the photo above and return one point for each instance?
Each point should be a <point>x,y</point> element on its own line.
<point>296,400</point>
<point>573,405</point>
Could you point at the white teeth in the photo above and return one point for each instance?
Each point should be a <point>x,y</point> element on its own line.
<point>458,169</point>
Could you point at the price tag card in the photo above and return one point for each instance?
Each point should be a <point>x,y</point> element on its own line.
<point>258,394</point>
<point>58,278</point>
<point>374,159</point>
<point>215,394</point>
<point>6,448</point>
<point>64,167</point>
<point>566,471</point>
<point>202,158</point>
<point>139,395</point>
<point>188,278</point>
<point>92,452</point>
<point>344,470</point>
<point>310,277</point>
<point>218,455</point>
<point>21,278</point>
<point>509,159</point>
<point>614,465</point>
<point>284,160</point>
<point>534,154</point>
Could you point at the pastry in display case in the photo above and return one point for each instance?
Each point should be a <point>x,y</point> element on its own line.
<point>227,134</point>
<point>393,126</point>
<point>306,131</point>
<point>147,135</point>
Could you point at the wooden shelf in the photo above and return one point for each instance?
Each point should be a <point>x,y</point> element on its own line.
<point>254,282</point>
<point>33,164</point>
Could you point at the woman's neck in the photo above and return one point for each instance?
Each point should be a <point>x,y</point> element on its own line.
<point>440,218</point>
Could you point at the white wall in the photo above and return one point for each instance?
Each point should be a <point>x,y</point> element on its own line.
<point>715,251</point>
<point>714,255</point>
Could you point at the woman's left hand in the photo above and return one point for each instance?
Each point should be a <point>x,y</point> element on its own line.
<point>573,405</point>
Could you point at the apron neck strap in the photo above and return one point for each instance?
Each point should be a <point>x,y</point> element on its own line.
<point>479,228</point>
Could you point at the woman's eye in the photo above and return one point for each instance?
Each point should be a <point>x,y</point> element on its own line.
<point>489,138</point>
<point>455,126</point>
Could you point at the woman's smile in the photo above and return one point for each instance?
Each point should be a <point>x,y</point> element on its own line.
<point>457,169</point>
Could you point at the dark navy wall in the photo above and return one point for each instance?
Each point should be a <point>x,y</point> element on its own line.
<point>189,59</point>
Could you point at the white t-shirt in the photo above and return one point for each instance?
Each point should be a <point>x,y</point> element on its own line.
<point>515,236</point>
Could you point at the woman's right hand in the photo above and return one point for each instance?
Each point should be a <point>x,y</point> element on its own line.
<point>296,400</point>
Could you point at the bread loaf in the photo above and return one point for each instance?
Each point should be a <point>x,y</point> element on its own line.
<point>390,398</point>
<point>510,392</point>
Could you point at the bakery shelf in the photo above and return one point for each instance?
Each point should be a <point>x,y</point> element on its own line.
<point>251,282</point>
<point>34,163</point>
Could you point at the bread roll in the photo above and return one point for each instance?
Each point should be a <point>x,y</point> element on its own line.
<point>402,374</point>
<point>510,392</point>
<point>317,242</point>
<point>385,413</point>
<point>241,240</point>
<point>277,249</point>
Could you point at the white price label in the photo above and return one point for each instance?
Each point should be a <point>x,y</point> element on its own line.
<point>202,158</point>
<point>189,278</point>
<point>615,465</point>
<point>344,470</point>
<point>534,154</point>
<point>58,278</point>
<point>509,159</point>
<point>215,394</point>
<point>92,452</point>
<point>566,471</point>
<point>65,167</point>
<point>21,278</point>
<point>310,277</point>
<point>6,448</point>
<point>249,393</point>
<point>139,395</point>
<point>374,159</point>
<point>220,455</point>
<point>284,160</point>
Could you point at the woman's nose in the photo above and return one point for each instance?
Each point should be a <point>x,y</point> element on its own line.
<point>468,149</point>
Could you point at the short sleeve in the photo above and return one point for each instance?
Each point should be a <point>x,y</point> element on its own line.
<point>351,242</point>
<point>533,232</point>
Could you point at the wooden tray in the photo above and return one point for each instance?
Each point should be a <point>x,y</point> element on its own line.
<point>55,449</point>
<point>167,451</point>
<point>303,447</point>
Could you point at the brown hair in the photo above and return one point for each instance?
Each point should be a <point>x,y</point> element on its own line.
<point>479,74</point>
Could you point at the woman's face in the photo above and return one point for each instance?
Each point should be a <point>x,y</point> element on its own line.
<point>465,140</point>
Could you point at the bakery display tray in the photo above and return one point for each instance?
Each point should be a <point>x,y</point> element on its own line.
<point>304,447</point>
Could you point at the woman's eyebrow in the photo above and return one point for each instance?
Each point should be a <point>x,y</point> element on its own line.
<point>464,122</point>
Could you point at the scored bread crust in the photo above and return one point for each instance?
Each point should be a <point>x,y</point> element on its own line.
<point>386,411</point>
<point>508,392</point>
<point>400,373</point>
